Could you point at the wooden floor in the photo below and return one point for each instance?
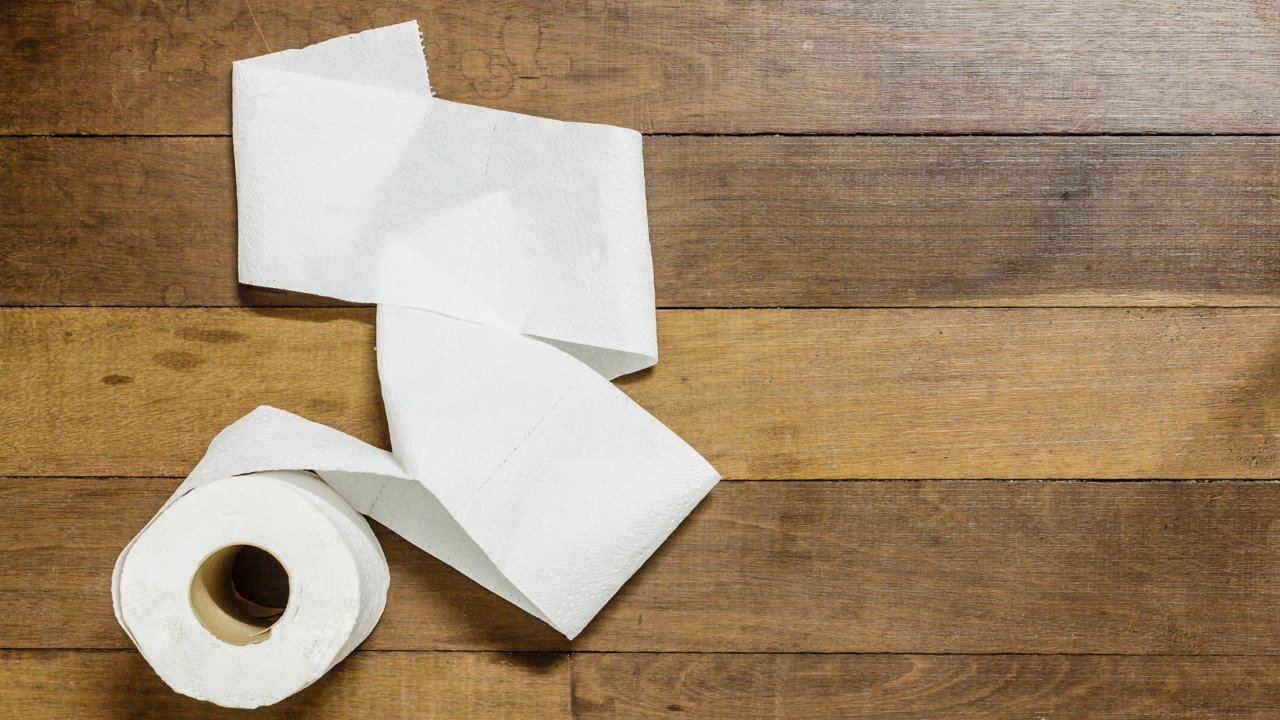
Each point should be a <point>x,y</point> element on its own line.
<point>975,304</point>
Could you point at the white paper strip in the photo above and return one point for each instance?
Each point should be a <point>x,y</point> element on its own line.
<point>354,183</point>
<point>514,463</point>
<point>510,258</point>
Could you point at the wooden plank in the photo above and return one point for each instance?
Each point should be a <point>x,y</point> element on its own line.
<point>880,687</point>
<point>859,221</point>
<point>669,66</point>
<point>885,567</point>
<point>44,684</point>
<point>801,394</point>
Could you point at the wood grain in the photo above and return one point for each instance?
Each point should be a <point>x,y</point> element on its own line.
<point>938,598</point>
<point>836,222</point>
<point>464,685</point>
<point>394,686</point>
<point>138,67</point>
<point>878,687</point>
<point>801,394</point>
<point>885,567</point>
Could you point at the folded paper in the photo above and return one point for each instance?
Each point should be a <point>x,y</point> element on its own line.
<point>512,461</point>
<point>354,182</point>
<point>509,258</point>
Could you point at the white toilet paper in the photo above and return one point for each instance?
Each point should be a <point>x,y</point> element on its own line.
<point>353,182</point>
<point>516,238</point>
<point>173,592</point>
<point>510,258</point>
<point>514,463</point>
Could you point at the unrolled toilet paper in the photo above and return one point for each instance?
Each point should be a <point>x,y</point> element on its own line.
<point>174,596</point>
<point>355,183</point>
<point>521,245</point>
<point>510,259</point>
<point>513,462</point>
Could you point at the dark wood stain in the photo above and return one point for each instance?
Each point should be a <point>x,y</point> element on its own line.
<point>177,360</point>
<point>211,335</point>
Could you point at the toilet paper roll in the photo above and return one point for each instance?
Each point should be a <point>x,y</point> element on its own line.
<point>510,259</point>
<point>174,593</point>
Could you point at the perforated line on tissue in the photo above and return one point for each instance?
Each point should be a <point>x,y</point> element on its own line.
<point>374,505</point>
<point>525,439</point>
<point>484,185</point>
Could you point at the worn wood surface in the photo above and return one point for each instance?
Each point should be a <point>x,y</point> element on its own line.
<point>119,684</point>
<point>392,686</point>
<point>866,567</point>
<point>139,66</point>
<point>465,685</point>
<point>903,687</point>
<point>835,222</point>
<point>764,394</point>
<point>814,594</point>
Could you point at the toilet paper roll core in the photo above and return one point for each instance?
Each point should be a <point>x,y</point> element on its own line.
<point>219,602</point>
